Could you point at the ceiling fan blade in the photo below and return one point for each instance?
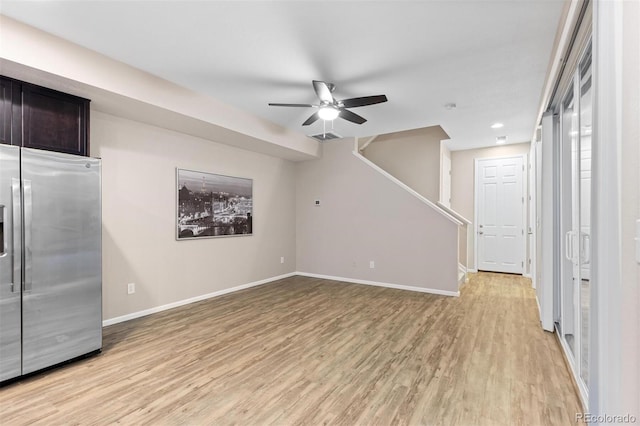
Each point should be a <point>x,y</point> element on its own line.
<point>314,117</point>
<point>351,116</point>
<point>363,101</point>
<point>323,91</point>
<point>294,105</point>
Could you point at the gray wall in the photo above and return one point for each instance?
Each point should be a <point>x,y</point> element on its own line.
<point>364,216</point>
<point>139,183</point>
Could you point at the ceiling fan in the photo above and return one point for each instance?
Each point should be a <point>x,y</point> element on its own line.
<point>331,108</point>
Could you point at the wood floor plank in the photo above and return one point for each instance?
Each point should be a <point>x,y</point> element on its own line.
<point>305,351</point>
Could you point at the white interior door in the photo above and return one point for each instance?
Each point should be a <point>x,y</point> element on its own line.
<point>500,218</point>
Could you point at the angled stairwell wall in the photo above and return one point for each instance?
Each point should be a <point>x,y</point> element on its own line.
<point>365,215</point>
<point>413,156</point>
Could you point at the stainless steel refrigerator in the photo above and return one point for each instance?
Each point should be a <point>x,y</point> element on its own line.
<point>50,259</point>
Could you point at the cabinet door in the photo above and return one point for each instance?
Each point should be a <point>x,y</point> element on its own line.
<point>10,116</point>
<point>55,121</point>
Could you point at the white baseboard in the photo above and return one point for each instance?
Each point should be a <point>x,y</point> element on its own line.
<point>161,308</point>
<point>539,312</point>
<point>474,271</point>
<point>379,284</point>
<point>542,324</point>
<point>172,305</point>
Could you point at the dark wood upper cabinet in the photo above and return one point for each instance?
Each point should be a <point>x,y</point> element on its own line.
<point>37,117</point>
<point>54,121</point>
<point>10,112</point>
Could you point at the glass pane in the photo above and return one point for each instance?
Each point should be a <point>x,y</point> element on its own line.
<point>568,209</point>
<point>586,119</point>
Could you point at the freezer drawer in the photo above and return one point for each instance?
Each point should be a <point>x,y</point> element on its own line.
<point>62,296</point>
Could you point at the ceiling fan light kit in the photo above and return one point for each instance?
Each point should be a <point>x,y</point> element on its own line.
<point>328,113</point>
<point>331,108</point>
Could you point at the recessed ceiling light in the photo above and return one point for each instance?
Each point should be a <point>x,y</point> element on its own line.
<point>500,140</point>
<point>497,125</point>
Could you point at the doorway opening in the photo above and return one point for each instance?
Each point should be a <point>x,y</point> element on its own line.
<point>500,214</point>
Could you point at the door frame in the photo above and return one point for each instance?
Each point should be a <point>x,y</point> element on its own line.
<point>532,231</point>
<point>476,196</point>
<point>445,196</point>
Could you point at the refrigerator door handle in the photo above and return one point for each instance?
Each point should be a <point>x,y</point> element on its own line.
<point>3,220</point>
<point>28,216</point>
<point>16,252</point>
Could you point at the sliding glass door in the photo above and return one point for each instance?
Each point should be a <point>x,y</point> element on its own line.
<point>568,148</point>
<point>586,120</point>
<point>575,219</point>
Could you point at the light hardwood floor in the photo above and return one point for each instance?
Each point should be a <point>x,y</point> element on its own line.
<point>310,351</point>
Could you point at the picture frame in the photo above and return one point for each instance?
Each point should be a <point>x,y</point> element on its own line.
<point>210,205</point>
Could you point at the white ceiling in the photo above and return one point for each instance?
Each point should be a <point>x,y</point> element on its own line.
<point>488,57</point>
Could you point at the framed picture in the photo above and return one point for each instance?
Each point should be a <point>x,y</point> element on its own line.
<point>210,205</point>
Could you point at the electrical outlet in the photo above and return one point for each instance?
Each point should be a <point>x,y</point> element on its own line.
<point>131,288</point>
<point>282,259</point>
<point>372,264</point>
